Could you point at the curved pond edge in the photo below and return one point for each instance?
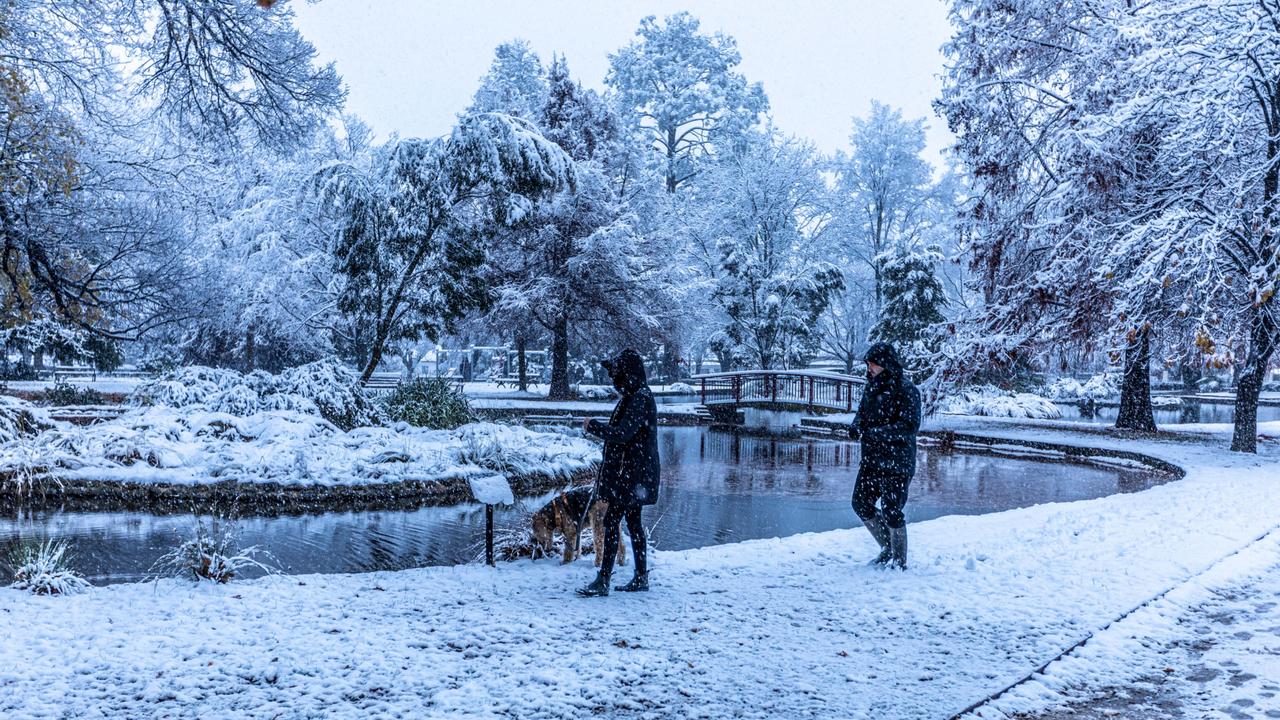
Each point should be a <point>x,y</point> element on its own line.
<point>268,499</point>
<point>951,440</point>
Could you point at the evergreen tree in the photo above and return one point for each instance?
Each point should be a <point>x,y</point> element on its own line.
<point>913,302</point>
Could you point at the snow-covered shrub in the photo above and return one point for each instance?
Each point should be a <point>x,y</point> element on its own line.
<point>62,394</point>
<point>436,403</point>
<point>335,390</point>
<point>210,554</point>
<point>993,402</point>
<point>42,569</point>
<point>597,392</point>
<point>19,419</point>
<point>682,388</point>
<point>1099,387</point>
<point>324,387</point>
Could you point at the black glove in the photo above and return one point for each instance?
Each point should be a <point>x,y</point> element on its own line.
<point>854,432</point>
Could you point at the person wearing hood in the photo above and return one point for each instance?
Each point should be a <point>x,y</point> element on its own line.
<point>629,472</point>
<point>887,422</point>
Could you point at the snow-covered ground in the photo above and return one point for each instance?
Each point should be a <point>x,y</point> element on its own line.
<point>796,627</point>
<point>114,385</point>
<point>1209,648</point>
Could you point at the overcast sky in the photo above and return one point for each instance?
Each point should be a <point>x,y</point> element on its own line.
<point>411,65</point>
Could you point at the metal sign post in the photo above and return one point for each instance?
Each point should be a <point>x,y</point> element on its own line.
<point>490,490</point>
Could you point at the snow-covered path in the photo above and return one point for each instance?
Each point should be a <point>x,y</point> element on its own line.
<point>1208,649</point>
<point>781,628</point>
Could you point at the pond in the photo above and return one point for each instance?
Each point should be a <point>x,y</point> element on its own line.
<point>718,487</point>
<point>1188,412</point>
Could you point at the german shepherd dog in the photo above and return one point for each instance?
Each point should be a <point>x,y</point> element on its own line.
<point>563,515</point>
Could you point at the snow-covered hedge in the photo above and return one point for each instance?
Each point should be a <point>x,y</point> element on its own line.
<point>1099,387</point>
<point>189,445</point>
<point>993,402</point>
<point>682,388</point>
<point>324,387</point>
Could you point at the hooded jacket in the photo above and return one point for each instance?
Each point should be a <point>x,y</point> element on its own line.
<point>630,472</point>
<point>888,417</point>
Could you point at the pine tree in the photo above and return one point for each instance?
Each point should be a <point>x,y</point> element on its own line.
<point>913,302</point>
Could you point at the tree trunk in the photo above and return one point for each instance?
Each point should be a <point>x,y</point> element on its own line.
<point>522,363</point>
<point>249,349</point>
<point>1135,393</point>
<point>560,361</point>
<point>726,360</point>
<point>1189,375</point>
<point>375,354</point>
<point>38,362</point>
<point>1262,342</point>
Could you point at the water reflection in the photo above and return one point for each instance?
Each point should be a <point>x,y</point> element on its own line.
<point>718,488</point>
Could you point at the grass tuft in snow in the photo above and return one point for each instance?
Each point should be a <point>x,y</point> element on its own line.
<point>41,569</point>
<point>210,554</point>
<point>993,402</point>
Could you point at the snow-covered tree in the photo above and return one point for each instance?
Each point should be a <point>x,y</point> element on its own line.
<point>765,207</point>
<point>1047,201</point>
<point>684,91</point>
<point>104,100</point>
<point>885,187</point>
<point>576,262</point>
<point>410,221</point>
<point>1210,72</point>
<point>913,302</point>
<point>515,84</point>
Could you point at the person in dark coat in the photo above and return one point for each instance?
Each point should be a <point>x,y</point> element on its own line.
<point>887,422</point>
<point>630,471</point>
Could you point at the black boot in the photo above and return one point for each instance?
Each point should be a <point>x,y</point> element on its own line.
<point>598,587</point>
<point>898,548</point>
<point>880,531</point>
<point>639,583</point>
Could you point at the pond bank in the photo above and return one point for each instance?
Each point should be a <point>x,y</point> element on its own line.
<point>268,499</point>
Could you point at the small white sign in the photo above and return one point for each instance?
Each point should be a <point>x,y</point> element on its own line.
<point>492,490</point>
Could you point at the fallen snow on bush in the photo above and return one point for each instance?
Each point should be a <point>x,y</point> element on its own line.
<point>993,402</point>
<point>324,387</point>
<point>21,419</point>
<point>190,445</point>
<point>1099,387</point>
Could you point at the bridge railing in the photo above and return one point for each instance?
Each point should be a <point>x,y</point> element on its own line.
<point>804,388</point>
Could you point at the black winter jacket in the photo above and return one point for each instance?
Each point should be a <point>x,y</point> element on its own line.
<point>888,417</point>
<point>631,471</point>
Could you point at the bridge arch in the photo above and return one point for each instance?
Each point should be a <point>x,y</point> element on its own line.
<point>806,390</point>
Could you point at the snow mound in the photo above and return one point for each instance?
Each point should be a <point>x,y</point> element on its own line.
<point>681,388</point>
<point>325,388</point>
<point>1099,387</point>
<point>993,402</point>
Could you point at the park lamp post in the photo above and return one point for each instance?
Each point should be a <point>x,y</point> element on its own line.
<point>490,490</point>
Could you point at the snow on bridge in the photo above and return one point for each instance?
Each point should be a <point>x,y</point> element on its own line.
<point>811,390</point>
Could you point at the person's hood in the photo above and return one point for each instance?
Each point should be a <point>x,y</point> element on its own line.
<point>627,371</point>
<point>883,354</point>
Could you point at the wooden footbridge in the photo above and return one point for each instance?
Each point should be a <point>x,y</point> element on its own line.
<point>814,391</point>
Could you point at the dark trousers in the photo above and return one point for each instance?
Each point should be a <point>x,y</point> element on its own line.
<point>890,489</point>
<point>612,531</point>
